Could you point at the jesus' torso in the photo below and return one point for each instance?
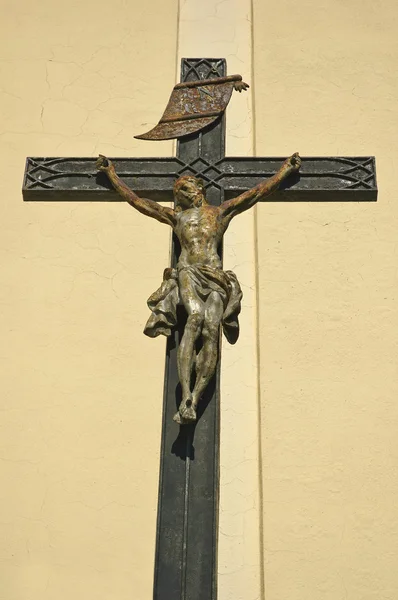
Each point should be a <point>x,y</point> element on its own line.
<point>200,232</point>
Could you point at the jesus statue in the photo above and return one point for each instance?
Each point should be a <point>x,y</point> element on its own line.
<point>211,296</point>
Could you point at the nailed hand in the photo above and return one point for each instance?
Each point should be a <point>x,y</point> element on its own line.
<point>103,164</point>
<point>293,163</point>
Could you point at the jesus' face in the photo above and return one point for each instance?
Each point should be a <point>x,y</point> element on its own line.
<point>188,192</point>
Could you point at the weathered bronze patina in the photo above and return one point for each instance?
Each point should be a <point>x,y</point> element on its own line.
<point>194,105</point>
<point>210,295</point>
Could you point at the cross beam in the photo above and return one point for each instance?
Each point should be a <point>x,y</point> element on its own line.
<point>321,179</point>
<point>186,547</point>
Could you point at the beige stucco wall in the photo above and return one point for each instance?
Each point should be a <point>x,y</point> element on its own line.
<point>81,386</point>
<point>326,85</point>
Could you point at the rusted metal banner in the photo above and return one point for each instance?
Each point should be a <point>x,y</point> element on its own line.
<point>193,106</point>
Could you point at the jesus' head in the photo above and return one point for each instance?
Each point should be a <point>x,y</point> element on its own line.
<point>189,192</point>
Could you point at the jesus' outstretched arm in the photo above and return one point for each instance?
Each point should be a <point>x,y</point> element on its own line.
<point>231,208</point>
<point>143,205</point>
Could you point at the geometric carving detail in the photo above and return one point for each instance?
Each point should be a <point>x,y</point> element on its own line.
<point>199,167</point>
<point>320,178</point>
<point>204,68</point>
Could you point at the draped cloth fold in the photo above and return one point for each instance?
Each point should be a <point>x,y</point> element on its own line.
<point>205,280</point>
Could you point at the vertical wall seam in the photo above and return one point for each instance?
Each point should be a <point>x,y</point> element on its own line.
<point>176,80</point>
<point>177,61</point>
<point>177,66</point>
<point>257,323</point>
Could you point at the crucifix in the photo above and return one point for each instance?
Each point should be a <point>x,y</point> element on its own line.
<point>217,188</point>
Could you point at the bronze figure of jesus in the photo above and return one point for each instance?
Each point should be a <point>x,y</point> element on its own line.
<point>211,296</point>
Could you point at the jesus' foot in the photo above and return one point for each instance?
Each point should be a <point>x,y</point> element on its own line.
<point>186,413</point>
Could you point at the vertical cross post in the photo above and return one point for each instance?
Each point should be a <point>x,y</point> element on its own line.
<point>186,546</point>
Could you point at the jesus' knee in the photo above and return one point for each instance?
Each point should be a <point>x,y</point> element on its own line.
<point>194,323</point>
<point>211,331</point>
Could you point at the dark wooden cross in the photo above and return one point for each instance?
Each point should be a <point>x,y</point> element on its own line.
<point>186,547</point>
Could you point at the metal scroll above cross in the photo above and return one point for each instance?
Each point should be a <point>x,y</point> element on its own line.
<point>193,106</point>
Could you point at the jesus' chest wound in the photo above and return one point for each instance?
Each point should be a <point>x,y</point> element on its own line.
<point>199,225</point>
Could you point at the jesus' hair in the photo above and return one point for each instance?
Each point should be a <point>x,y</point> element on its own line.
<point>198,182</point>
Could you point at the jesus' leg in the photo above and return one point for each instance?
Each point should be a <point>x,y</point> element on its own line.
<point>186,352</point>
<point>206,361</point>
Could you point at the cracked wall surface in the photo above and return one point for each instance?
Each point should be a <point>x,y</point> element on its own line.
<point>326,85</point>
<point>82,387</point>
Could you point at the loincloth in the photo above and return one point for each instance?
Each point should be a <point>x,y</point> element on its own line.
<point>205,280</point>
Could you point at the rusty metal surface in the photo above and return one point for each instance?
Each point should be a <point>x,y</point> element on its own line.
<point>193,106</point>
<point>210,81</point>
